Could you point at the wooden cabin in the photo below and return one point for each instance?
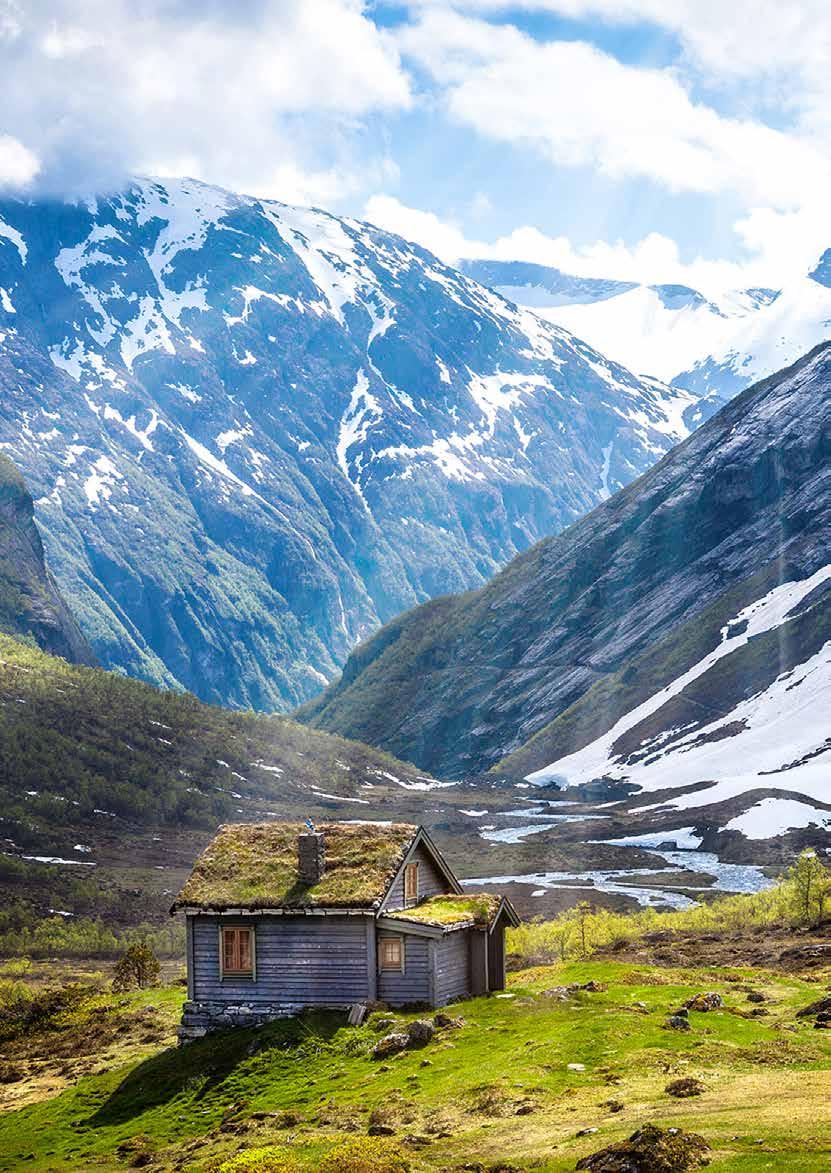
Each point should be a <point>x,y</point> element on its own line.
<point>280,918</point>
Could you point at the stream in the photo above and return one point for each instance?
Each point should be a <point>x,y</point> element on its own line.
<point>727,877</point>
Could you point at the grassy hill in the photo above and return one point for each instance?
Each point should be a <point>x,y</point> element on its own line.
<point>109,787</point>
<point>533,1079</point>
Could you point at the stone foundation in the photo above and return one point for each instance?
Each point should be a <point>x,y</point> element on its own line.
<point>200,1018</point>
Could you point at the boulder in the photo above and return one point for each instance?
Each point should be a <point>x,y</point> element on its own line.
<point>704,1002</point>
<point>821,1006</point>
<point>755,996</point>
<point>419,1032</point>
<point>561,993</point>
<point>390,1045</point>
<point>442,1020</point>
<point>650,1150</point>
<point>676,1022</point>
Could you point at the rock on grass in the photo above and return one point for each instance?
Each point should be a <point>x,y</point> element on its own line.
<point>685,1087</point>
<point>704,1002</point>
<point>650,1150</point>
<point>390,1045</point>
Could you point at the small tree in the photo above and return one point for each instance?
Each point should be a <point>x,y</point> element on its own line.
<point>138,967</point>
<point>583,912</point>
<point>810,880</point>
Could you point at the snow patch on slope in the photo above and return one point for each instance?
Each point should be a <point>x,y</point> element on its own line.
<point>772,816</point>
<point>778,728</point>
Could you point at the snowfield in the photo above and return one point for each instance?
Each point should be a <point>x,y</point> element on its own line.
<point>775,740</point>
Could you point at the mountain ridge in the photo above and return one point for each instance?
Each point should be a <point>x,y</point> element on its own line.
<point>580,630</point>
<point>712,345</point>
<point>256,432</point>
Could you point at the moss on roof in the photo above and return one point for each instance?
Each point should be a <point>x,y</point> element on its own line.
<point>477,907</point>
<point>254,865</point>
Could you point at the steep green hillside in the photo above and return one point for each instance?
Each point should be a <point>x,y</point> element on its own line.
<point>589,624</point>
<point>109,787</point>
<point>534,1079</point>
<point>29,601</point>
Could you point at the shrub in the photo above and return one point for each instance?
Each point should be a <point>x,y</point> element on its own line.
<point>365,1154</point>
<point>799,899</point>
<point>139,967</point>
<point>266,1160</point>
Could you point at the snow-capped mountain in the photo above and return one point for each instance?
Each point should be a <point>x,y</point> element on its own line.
<point>712,347</point>
<point>254,432</point>
<point>677,641</point>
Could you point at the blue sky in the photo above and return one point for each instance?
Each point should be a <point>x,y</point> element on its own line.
<point>645,139</point>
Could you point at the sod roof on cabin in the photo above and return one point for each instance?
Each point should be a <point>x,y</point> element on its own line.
<point>477,908</point>
<point>254,865</point>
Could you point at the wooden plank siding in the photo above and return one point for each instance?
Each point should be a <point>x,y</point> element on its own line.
<point>453,967</point>
<point>301,960</point>
<point>413,985</point>
<point>431,882</point>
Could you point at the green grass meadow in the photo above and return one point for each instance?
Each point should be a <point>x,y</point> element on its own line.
<point>497,1091</point>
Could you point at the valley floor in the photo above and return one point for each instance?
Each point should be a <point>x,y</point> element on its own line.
<point>535,1078</point>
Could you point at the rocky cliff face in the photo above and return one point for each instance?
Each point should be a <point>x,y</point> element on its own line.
<point>677,638</point>
<point>29,600</point>
<point>256,432</point>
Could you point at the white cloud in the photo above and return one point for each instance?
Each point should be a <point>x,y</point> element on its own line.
<point>579,106</point>
<point>780,246</point>
<point>446,240</point>
<point>740,38</point>
<point>102,88</point>
<point>18,166</point>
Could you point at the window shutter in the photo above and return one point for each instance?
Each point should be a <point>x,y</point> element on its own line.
<point>245,950</point>
<point>411,883</point>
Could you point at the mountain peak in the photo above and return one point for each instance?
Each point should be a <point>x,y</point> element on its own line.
<point>255,431</point>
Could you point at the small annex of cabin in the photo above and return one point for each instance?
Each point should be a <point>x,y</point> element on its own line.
<point>281,917</point>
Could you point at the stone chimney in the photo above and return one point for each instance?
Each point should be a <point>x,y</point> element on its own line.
<point>311,857</point>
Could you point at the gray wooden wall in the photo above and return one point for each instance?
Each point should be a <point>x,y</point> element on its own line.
<point>431,882</point>
<point>305,960</point>
<point>453,967</point>
<point>413,985</point>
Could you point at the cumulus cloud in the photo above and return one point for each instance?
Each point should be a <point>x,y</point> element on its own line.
<point>780,246</point>
<point>97,89</point>
<point>18,166</point>
<point>577,105</point>
<point>743,38</point>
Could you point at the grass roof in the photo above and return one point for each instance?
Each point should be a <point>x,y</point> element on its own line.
<point>476,907</point>
<point>254,865</point>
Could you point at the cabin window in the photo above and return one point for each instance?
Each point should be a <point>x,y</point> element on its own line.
<point>237,952</point>
<point>410,885</point>
<point>391,953</point>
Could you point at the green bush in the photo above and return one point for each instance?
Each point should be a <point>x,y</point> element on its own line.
<point>266,1160</point>
<point>365,1154</point>
<point>137,969</point>
<point>800,899</point>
